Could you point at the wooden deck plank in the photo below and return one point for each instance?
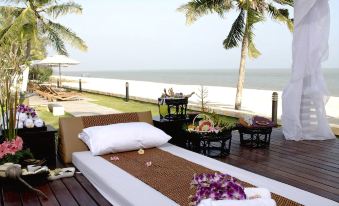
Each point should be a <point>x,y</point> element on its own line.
<point>29,199</point>
<point>62,194</point>
<point>51,201</point>
<point>79,194</point>
<point>11,198</point>
<point>90,189</point>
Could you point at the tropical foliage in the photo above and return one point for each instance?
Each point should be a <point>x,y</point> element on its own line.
<point>33,22</point>
<point>40,74</point>
<point>250,13</point>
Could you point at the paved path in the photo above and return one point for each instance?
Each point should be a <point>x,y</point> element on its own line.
<point>75,108</point>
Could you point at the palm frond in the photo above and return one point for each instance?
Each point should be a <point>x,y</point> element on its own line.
<point>14,29</point>
<point>281,15</point>
<point>6,11</point>
<point>67,35</point>
<point>55,40</point>
<point>198,8</point>
<point>236,33</point>
<point>63,9</point>
<point>253,17</point>
<point>285,2</point>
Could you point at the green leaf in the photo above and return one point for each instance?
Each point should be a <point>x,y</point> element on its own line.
<point>67,35</point>
<point>199,8</point>
<point>63,9</point>
<point>236,33</point>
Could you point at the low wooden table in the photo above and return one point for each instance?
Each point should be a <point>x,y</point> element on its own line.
<point>255,135</point>
<point>210,144</point>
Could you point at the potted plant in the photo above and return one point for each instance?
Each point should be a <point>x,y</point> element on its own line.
<point>11,64</point>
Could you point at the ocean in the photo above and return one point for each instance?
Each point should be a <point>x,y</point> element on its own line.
<point>266,79</point>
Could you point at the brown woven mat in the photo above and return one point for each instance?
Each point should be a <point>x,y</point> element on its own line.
<point>169,174</point>
<point>91,121</point>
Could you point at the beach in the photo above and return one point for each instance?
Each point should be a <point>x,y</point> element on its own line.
<point>220,99</point>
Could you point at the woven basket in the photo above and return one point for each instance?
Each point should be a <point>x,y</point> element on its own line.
<point>206,119</point>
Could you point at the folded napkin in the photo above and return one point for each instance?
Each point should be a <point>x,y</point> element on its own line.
<point>262,198</point>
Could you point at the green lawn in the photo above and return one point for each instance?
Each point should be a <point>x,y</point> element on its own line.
<point>121,105</point>
<point>137,106</point>
<point>48,117</point>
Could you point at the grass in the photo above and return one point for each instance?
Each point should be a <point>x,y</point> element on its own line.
<point>137,106</point>
<point>48,117</point>
<point>120,104</point>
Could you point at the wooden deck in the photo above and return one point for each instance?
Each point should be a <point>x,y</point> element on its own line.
<point>68,191</point>
<point>310,165</point>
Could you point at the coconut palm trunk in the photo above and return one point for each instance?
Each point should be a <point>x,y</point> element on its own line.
<point>241,78</point>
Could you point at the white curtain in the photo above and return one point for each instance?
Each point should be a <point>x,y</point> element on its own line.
<point>305,96</point>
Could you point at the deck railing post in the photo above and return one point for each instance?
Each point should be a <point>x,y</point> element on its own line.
<point>127,92</point>
<point>58,83</point>
<point>80,86</point>
<point>275,107</point>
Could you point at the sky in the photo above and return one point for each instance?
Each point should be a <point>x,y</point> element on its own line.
<point>152,35</point>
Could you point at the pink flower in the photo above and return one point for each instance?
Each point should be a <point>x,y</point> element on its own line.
<point>148,164</point>
<point>11,147</point>
<point>114,158</point>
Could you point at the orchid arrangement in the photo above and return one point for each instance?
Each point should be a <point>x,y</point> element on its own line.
<point>27,110</point>
<point>216,187</point>
<point>11,151</point>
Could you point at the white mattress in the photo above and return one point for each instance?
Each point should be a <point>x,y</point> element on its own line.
<point>121,188</point>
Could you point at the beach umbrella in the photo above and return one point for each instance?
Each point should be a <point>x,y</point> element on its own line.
<point>305,96</point>
<point>58,61</point>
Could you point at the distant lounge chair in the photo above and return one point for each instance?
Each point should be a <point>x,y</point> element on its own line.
<point>51,94</point>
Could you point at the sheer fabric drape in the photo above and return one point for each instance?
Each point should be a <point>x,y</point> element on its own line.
<point>305,96</point>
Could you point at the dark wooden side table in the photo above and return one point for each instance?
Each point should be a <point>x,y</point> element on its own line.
<point>210,144</point>
<point>174,128</point>
<point>257,135</point>
<point>41,143</point>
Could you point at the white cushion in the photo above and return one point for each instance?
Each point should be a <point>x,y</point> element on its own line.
<point>122,137</point>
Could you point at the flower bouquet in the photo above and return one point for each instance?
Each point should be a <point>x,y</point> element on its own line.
<point>216,187</point>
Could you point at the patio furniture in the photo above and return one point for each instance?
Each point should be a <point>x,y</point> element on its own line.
<point>210,144</point>
<point>173,128</point>
<point>256,135</point>
<point>176,108</point>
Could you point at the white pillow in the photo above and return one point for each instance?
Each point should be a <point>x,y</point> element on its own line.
<point>122,137</point>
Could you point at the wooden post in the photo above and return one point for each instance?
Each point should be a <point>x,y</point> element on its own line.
<point>275,108</point>
<point>127,92</point>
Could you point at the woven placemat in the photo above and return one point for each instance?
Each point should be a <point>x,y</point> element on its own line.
<point>170,174</point>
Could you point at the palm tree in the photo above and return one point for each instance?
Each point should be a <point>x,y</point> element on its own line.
<point>31,21</point>
<point>251,12</point>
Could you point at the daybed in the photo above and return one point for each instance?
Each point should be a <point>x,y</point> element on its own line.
<point>122,188</point>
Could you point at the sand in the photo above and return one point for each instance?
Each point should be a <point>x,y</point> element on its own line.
<point>220,99</point>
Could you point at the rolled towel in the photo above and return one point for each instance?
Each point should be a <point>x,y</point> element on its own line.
<point>252,192</point>
<point>38,122</point>
<point>254,202</point>
<point>22,116</point>
<point>29,123</point>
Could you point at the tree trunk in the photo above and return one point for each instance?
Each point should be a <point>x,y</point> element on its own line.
<point>241,78</point>
<point>28,49</point>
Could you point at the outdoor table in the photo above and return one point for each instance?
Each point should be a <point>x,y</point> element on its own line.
<point>210,144</point>
<point>178,105</point>
<point>257,135</point>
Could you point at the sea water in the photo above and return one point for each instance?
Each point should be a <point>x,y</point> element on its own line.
<point>266,79</point>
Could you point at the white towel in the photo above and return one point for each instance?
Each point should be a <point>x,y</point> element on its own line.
<point>38,122</point>
<point>263,198</point>
<point>252,192</point>
<point>254,202</point>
